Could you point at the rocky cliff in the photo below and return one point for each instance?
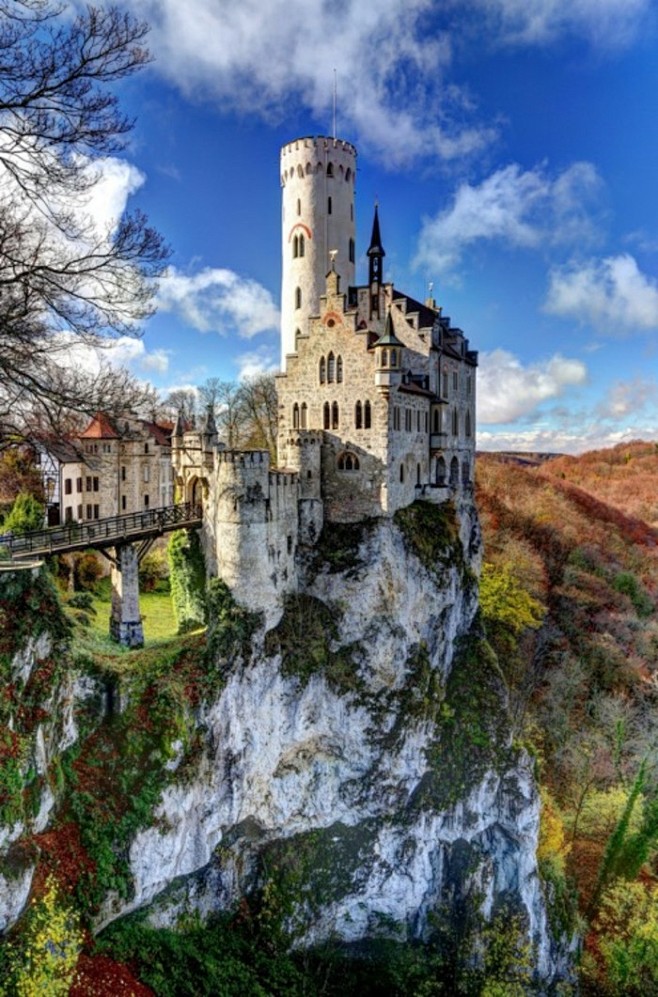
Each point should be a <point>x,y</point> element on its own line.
<point>355,758</point>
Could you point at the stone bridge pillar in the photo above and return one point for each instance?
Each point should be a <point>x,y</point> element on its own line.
<point>125,620</point>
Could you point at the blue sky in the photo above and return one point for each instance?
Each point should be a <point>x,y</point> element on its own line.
<point>513,148</point>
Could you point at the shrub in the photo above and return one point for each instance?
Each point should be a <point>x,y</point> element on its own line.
<point>86,570</point>
<point>153,570</point>
<point>27,513</point>
<point>188,579</point>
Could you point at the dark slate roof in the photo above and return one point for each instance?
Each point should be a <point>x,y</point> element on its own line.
<point>376,248</point>
<point>426,316</point>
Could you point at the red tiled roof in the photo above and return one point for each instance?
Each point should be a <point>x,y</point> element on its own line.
<point>100,428</point>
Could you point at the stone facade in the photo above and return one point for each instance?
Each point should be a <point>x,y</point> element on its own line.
<point>376,397</point>
<point>113,467</point>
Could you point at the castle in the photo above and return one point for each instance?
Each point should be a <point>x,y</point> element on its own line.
<point>376,396</point>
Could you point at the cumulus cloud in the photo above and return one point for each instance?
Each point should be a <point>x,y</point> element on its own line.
<point>124,351</point>
<point>390,60</point>
<point>518,208</point>
<point>628,398</point>
<point>508,391</point>
<point>580,438</point>
<point>218,300</point>
<point>256,363</point>
<point>608,24</point>
<point>612,293</point>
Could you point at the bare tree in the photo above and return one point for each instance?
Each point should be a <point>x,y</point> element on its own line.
<point>62,280</point>
<point>258,401</point>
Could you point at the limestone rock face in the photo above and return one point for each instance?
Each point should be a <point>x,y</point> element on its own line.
<point>365,736</point>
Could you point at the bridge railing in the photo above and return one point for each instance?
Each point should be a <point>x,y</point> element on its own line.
<point>100,532</point>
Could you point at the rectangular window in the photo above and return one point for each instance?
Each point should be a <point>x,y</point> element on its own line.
<point>146,448</point>
<point>68,486</point>
<point>146,501</point>
<point>96,512</point>
<point>407,420</point>
<point>95,484</point>
<point>88,511</point>
<point>329,205</point>
<point>146,472</point>
<point>455,380</point>
<point>123,472</point>
<point>418,422</point>
<point>78,484</point>
<point>107,448</point>
<point>88,484</point>
<point>79,512</point>
<point>123,503</point>
<point>68,514</point>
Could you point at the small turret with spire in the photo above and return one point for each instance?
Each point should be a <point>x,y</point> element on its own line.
<point>376,256</point>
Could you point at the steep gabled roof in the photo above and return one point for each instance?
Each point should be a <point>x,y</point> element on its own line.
<point>100,428</point>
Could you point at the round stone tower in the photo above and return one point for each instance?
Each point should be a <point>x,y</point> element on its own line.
<point>317,177</point>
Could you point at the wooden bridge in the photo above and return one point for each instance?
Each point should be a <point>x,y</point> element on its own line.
<point>130,536</point>
<point>102,533</point>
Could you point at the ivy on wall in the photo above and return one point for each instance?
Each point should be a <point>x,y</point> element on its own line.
<point>187,576</point>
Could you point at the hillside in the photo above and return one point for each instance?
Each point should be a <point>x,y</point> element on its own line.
<point>569,593</point>
<point>624,476</point>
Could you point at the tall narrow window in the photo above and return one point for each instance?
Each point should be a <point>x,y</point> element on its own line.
<point>329,205</point>
<point>445,383</point>
<point>394,358</point>
<point>455,422</point>
<point>295,247</point>
<point>358,416</point>
<point>436,421</point>
<point>467,426</point>
<point>339,369</point>
<point>330,169</point>
<point>304,416</point>
<point>351,250</point>
<point>418,474</point>
<point>331,368</point>
<point>327,415</point>
<point>295,416</point>
<point>366,416</point>
<point>323,370</point>
<point>384,358</point>
<point>298,297</point>
<point>299,207</point>
<point>301,245</point>
<point>402,473</point>
<point>334,415</point>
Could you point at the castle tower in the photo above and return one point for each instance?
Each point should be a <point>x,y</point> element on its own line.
<point>317,178</point>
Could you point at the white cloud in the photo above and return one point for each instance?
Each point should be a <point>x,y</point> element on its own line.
<point>218,300</point>
<point>579,439</point>
<point>611,293</point>
<point>255,363</point>
<point>508,391</point>
<point>527,209</point>
<point>124,351</point>
<point>390,60</point>
<point>106,201</point>
<point>610,24</point>
<point>627,398</point>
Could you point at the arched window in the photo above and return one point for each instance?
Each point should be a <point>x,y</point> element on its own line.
<point>358,415</point>
<point>304,416</point>
<point>467,424</point>
<point>339,369</point>
<point>440,471</point>
<point>300,171</point>
<point>402,473</point>
<point>323,370</point>
<point>455,422</point>
<point>327,415</point>
<point>436,421</point>
<point>348,173</point>
<point>295,247</point>
<point>366,416</point>
<point>301,245</point>
<point>351,250</point>
<point>329,206</point>
<point>298,297</point>
<point>330,169</point>
<point>295,416</point>
<point>309,169</point>
<point>334,415</point>
<point>348,462</point>
<point>454,472</point>
<point>331,368</point>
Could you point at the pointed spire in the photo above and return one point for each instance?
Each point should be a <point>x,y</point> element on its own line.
<point>179,428</point>
<point>376,248</point>
<point>210,428</point>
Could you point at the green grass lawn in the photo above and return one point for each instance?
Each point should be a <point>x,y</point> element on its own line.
<point>94,633</point>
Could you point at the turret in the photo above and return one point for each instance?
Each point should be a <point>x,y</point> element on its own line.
<point>389,355</point>
<point>317,179</point>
